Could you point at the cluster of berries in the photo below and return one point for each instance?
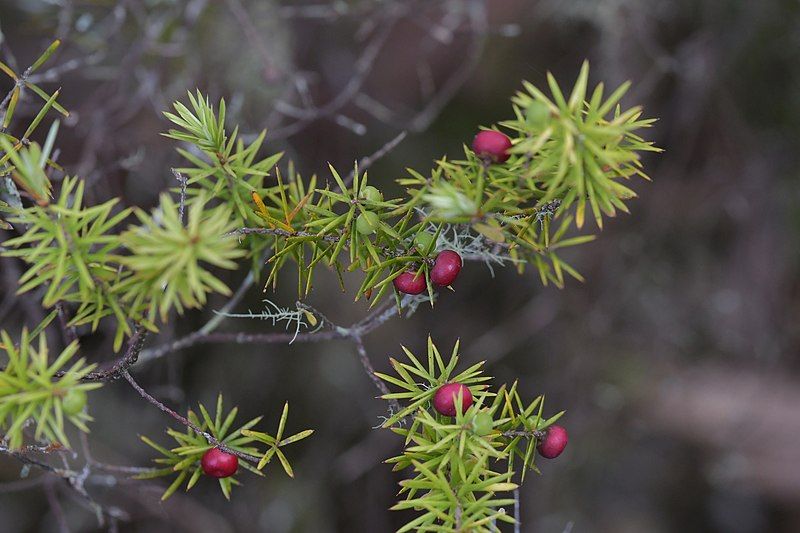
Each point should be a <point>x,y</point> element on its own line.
<point>446,268</point>
<point>491,146</point>
<point>444,401</point>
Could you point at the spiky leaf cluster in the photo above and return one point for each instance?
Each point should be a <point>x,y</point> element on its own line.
<point>566,152</point>
<point>184,459</point>
<point>73,254</point>
<point>276,442</point>
<point>569,152</point>
<point>578,150</point>
<point>147,271</point>
<point>161,265</point>
<point>223,166</point>
<point>462,468</point>
<point>27,168</point>
<point>170,262</point>
<point>41,392</point>
<point>23,160</point>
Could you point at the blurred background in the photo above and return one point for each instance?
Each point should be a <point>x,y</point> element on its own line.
<point>676,360</point>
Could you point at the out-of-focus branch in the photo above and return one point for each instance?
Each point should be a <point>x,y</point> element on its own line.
<point>367,161</point>
<point>269,71</point>
<point>381,31</point>
<point>55,506</point>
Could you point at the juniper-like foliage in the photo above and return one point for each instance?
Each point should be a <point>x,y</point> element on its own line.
<point>48,392</point>
<point>567,154</point>
<point>463,467</point>
<point>184,459</point>
<point>573,156</point>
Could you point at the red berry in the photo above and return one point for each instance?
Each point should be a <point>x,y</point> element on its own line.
<point>217,463</point>
<point>408,283</point>
<point>444,400</point>
<point>553,443</point>
<point>446,268</point>
<point>492,145</point>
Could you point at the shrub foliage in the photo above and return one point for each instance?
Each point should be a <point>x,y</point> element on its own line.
<point>573,156</point>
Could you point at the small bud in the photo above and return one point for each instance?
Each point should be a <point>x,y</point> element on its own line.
<point>73,402</point>
<point>422,240</point>
<point>372,194</point>
<point>367,223</point>
<point>537,114</point>
<point>483,423</point>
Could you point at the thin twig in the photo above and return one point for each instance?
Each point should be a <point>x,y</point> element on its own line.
<point>377,317</point>
<point>480,30</point>
<point>370,370</point>
<point>186,422</point>
<point>280,232</point>
<point>73,478</point>
<point>182,206</point>
<point>135,346</point>
<point>536,434</point>
<point>21,484</point>
<point>92,462</point>
<point>55,506</point>
<point>69,331</point>
<point>393,13</point>
<point>22,458</point>
<point>269,71</point>
<point>198,338</point>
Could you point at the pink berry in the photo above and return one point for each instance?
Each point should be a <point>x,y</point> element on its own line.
<point>446,268</point>
<point>444,399</point>
<point>216,463</point>
<point>553,443</point>
<point>492,145</point>
<point>408,283</point>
